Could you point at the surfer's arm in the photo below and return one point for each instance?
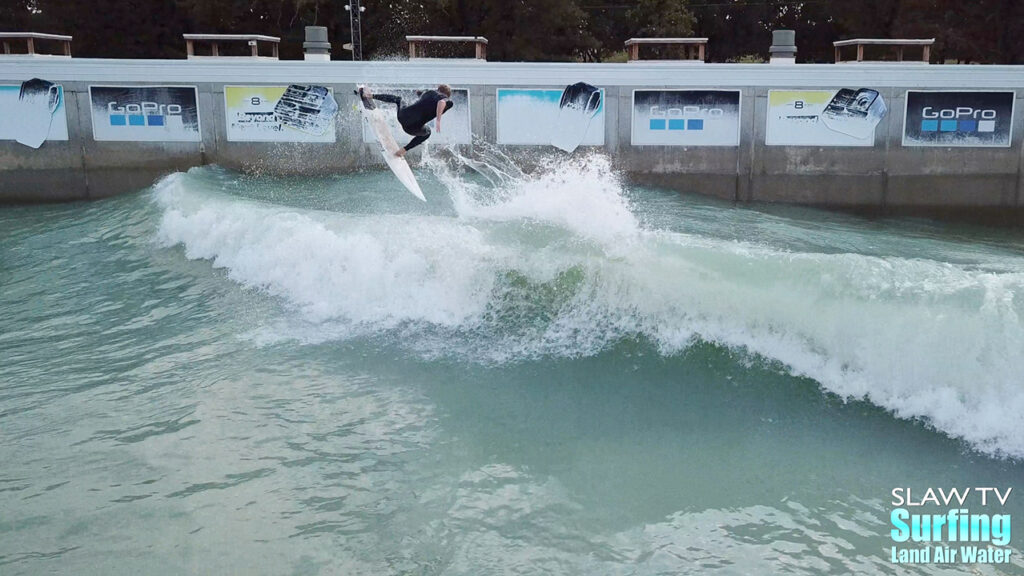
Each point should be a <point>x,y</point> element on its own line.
<point>440,110</point>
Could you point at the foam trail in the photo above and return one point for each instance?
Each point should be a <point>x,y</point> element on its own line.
<point>581,194</point>
<point>557,264</point>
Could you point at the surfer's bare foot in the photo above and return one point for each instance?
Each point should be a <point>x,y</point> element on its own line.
<point>400,153</point>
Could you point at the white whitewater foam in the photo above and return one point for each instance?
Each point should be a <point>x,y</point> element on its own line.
<point>583,195</point>
<point>378,271</point>
<point>923,338</point>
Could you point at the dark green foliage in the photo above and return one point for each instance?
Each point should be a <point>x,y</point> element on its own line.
<point>988,31</point>
<point>17,15</point>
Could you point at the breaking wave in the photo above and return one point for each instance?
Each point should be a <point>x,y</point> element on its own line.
<point>561,263</point>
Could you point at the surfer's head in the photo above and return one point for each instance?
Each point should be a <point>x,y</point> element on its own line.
<point>446,90</point>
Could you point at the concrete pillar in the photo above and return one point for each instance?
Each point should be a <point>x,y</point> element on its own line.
<point>316,46</point>
<point>783,50</point>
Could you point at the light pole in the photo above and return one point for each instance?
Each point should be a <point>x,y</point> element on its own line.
<point>354,16</point>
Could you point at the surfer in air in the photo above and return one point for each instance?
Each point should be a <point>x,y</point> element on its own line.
<point>415,117</point>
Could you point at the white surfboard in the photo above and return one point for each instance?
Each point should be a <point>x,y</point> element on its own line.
<point>388,147</point>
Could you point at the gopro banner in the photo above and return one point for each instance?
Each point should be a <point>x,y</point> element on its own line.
<point>33,112</point>
<point>966,119</point>
<point>145,113</point>
<point>686,118</point>
<point>534,115</point>
<point>455,123</point>
<point>296,113</point>
<point>845,117</point>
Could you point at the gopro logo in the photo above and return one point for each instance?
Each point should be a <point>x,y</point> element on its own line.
<point>142,114</point>
<point>685,118</point>
<point>960,119</point>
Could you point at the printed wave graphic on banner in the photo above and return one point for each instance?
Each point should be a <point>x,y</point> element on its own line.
<point>456,127</point>
<point>296,113</point>
<point>33,112</point>
<point>145,113</point>
<point>844,117</point>
<point>959,119</point>
<point>686,118</point>
<point>531,116</point>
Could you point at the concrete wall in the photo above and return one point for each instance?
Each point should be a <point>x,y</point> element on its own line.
<point>887,176</point>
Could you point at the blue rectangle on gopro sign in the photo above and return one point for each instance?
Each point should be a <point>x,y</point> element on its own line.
<point>677,124</point>
<point>929,126</point>
<point>695,124</point>
<point>657,123</point>
<point>968,126</point>
<point>155,120</point>
<point>948,126</point>
<point>118,120</point>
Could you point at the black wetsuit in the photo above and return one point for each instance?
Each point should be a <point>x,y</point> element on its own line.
<point>415,117</point>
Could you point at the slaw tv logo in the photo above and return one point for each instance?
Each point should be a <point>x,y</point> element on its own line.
<point>959,119</point>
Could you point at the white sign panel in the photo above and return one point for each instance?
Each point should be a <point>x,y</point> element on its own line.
<point>845,117</point>
<point>530,115</point>
<point>33,112</point>
<point>296,113</point>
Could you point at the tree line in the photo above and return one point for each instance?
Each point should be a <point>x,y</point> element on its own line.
<point>971,31</point>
